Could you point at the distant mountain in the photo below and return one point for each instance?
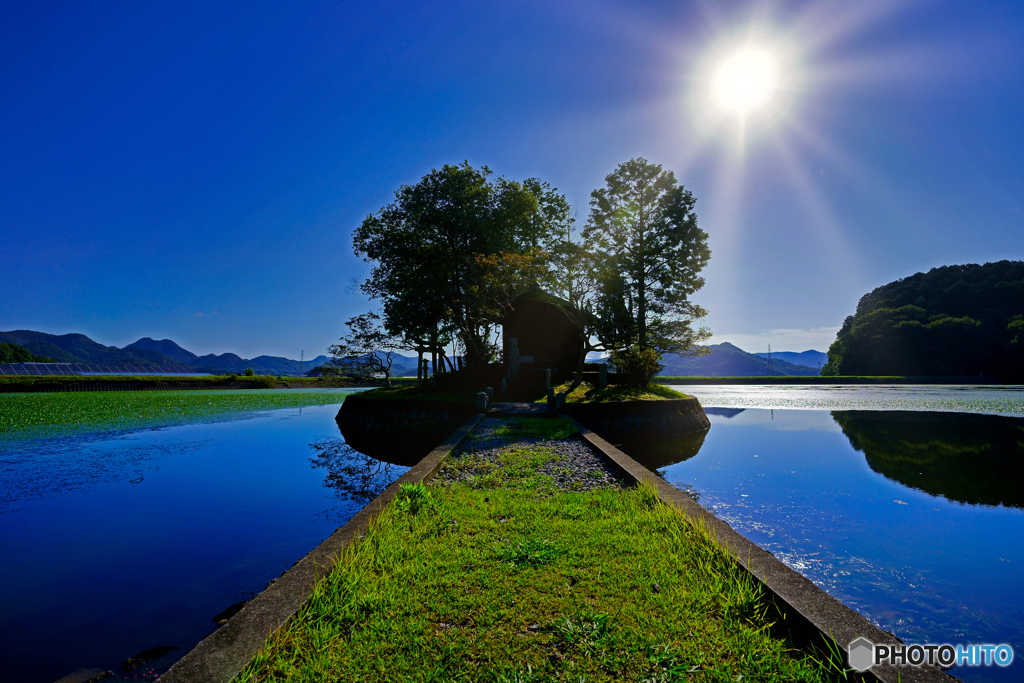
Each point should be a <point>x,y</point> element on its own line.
<point>726,360</point>
<point>166,347</point>
<point>229,362</point>
<point>403,366</point>
<point>77,348</point>
<point>812,359</point>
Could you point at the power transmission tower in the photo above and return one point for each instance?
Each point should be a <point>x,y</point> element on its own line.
<point>771,367</point>
<point>302,363</point>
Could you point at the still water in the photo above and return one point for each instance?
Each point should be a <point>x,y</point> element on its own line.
<point>914,517</point>
<point>907,503</point>
<point>121,542</point>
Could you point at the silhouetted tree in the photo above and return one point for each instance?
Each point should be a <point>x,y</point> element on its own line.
<point>425,247</point>
<point>644,232</point>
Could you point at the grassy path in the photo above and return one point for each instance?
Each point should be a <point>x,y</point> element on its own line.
<point>495,572</point>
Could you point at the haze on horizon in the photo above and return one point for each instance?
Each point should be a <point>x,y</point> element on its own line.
<point>195,171</point>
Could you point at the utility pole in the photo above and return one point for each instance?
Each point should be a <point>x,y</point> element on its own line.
<point>771,367</point>
<point>302,363</point>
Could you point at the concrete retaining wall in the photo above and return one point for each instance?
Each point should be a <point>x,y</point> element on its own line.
<point>627,420</point>
<point>399,431</point>
<point>220,656</point>
<point>804,606</point>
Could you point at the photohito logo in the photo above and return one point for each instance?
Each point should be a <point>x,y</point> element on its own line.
<point>864,654</point>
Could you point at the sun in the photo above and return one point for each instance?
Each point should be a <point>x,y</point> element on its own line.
<point>745,81</point>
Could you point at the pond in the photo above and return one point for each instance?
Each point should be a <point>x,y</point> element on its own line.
<point>121,540</point>
<point>912,516</point>
<point>130,519</point>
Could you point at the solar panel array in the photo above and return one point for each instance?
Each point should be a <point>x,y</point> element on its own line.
<point>81,369</point>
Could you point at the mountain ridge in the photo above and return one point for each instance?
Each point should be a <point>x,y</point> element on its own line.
<point>811,358</point>
<point>78,348</point>
<point>727,360</point>
<point>724,360</point>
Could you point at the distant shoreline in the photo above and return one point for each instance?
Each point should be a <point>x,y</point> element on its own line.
<point>34,383</point>
<point>817,379</point>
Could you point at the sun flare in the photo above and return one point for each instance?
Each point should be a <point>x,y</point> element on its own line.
<point>745,81</point>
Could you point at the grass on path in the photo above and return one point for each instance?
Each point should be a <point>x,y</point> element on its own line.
<point>61,414</point>
<point>589,393</point>
<point>466,582</point>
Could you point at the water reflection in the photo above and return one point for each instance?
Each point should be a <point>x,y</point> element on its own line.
<point>352,475</point>
<point>724,412</point>
<point>398,448</point>
<point>656,453</point>
<point>974,459</point>
<point>912,519</point>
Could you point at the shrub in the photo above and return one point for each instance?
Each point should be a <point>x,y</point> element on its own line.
<point>635,367</point>
<point>413,497</point>
<point>264,382</point>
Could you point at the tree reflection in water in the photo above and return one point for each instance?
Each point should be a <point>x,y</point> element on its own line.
<point>353,475</point>
<point>973,459</point>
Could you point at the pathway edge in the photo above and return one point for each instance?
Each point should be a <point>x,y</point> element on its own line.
<point>791,590</point>
<point>220,656</point>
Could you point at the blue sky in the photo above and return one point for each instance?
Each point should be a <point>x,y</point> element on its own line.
<point>194,170</point>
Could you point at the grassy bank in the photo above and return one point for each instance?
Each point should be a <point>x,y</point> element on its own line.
<point>64,413</point>
<point>501,577</point>
<point>589,393</point>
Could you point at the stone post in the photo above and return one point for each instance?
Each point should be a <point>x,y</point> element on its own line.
<point>547,377</point>
<point>559,402</point>
<point>551,396</point>
<point>490,394</point>
<point>602,375</point>
<point>504,388</point>
<point>481,402</point>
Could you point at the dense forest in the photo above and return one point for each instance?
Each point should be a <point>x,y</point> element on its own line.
<point>12,353</point>
<point>953,320</point>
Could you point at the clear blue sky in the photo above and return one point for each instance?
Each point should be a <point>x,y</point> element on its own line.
<point>194,170</point>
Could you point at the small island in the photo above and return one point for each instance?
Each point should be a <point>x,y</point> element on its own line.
<point>499,293</point>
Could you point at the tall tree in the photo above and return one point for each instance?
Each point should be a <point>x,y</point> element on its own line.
<point>644,230</point>
<point>425,245</point>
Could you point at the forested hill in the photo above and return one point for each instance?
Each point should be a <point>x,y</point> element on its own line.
<point>12,353</point>
<point>953,320</point>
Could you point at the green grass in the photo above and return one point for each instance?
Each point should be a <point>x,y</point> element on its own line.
<point>60,414</point>
<point>589,393</point>
<point>534,428</point>
<point>520,583</point>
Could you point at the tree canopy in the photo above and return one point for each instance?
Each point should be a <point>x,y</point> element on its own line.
<point>953,320</point>
<point>450,249</point>
<point>426,248</point>
<point>643,229</point>
<point>12,353</point>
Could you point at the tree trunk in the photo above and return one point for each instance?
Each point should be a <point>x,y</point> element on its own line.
<point>578,379</point>
<point>642,312</point>
<point>419,365</point>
